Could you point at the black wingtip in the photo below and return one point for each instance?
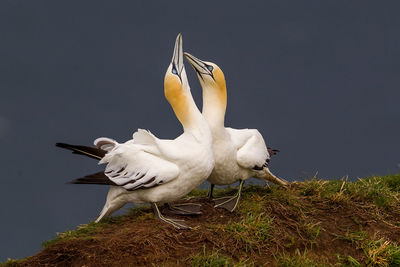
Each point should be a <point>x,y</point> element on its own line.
<point>96,178</point>
<point>92,152</point>
<point>272,151</point>
<point>63,145</point>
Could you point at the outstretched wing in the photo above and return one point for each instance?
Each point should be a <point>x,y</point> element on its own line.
<point>134,166</point>
<point>252,153</point>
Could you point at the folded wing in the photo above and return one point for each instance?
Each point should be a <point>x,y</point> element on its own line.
<point>252,153</point>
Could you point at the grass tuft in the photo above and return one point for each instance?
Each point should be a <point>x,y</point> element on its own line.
<point>383,191</point>
<point>382,253</point>
<point>11,263</point>
<point>348,261</point>
<point>252,229</point>
<point>354,237</point>
<point>296,260</point>
<point>84,231</point>
<point>211,260</point>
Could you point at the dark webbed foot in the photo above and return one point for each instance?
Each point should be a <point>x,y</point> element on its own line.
<point>229,203</point>
<point>184,208</point>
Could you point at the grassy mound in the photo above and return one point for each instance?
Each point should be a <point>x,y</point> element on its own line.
<point>311,223</point>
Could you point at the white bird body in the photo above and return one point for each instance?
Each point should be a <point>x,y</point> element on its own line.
<point>236,152</point>
<point>177,166</point>
<point>239,153</point>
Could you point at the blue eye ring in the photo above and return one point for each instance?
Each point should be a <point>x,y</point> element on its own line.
<point>174,71</point>
<point>210,68</point>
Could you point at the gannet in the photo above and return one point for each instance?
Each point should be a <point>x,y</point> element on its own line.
<point>239,153</point>
<point>151,170</point>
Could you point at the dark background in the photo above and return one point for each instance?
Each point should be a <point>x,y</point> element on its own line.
<point>320,80</point>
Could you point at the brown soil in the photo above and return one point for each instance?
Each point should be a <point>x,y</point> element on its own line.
<point>147,242</point>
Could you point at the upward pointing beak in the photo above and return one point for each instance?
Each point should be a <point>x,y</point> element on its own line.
<point>199,66</point>
<point>177,58</point>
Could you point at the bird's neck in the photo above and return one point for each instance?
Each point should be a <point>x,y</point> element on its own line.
<point>214,106</point>
<point>186,110</point>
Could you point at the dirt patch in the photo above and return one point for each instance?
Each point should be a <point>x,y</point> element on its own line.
<point>300,223</point>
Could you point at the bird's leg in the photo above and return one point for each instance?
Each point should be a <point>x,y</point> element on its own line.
<point>210,191</point>
<point>209,194</point>
<point>179,224</point>
<point>184,208</point>
<point>232,203</point>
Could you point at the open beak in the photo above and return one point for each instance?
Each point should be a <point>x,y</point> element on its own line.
<point>199,66</point>
<point>177,58</point>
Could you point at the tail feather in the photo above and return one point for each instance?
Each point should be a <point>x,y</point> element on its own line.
<point>92,152</point>
<point>272,151</point>
<point>95,178</point>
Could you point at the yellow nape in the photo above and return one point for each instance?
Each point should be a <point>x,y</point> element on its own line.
<point>220,81</point>
<point>176,97</point>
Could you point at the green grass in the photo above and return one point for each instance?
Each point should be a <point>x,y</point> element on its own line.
<point>312,231</point>
<point>255,228</point>
<point>85,231</point>
<point>354,237</point>
<point>348,261</point>
<point>383,191</point>
<point>377,252</point>
<point>297,260</point>
<point>252,229</point>
<point>216,260</point>
<point>213,260</point>
<point>381,253</point>
<point>11,263</point>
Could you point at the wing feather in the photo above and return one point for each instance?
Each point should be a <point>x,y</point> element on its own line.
<point>251,149</point>
<point>134,166</point>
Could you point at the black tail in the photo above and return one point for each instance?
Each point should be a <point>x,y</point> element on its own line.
<point>95,178</point>
<point>272,151</point>
<point>92,152</point>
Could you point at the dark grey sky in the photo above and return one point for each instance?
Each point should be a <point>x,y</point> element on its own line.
<point>320,80</point>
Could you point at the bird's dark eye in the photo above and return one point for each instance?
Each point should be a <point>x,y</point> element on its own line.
<point>210,68</point>
<point>174,71</point>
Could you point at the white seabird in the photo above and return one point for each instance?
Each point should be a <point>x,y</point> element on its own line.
<point>151,170</point>
<point>239,153</point>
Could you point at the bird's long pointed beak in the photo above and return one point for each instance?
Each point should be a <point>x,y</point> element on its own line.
<point>272,178</point>
<point>177,57</point>
<point>199,66</point>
